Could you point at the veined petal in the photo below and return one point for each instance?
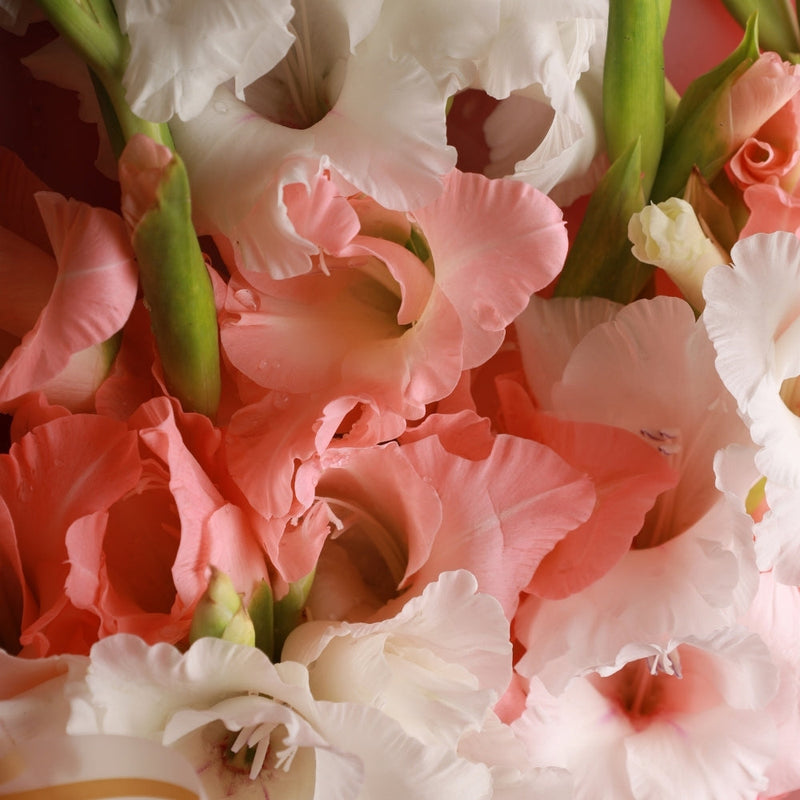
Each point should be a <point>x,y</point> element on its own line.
<point>91,299</point>
<point>172,70</point>
<point>489,257</point>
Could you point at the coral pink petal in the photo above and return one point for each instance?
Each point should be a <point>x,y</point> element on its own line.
<point>27,274</point>
<point>63,470</point>
<point>502,514</point>
<point>320,214</point>
<point>627,474</point>
<point>491,253</point>
<point>771,209</point>
<point>142,166</point>
<point>91,299</point>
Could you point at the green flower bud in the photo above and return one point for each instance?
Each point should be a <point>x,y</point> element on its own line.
<point>221,614</point>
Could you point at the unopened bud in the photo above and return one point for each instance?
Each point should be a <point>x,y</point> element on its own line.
<point>221,613</point>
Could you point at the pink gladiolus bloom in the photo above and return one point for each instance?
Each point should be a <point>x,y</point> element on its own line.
<point>382,522</point>
<point>69,287</point>
<point>690,721</point>
<point>375,320</point>
<point>627,474</point>
<point>126,545</point>
<point>694,550</point>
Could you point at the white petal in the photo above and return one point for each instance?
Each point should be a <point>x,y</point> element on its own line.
<point>690,586</point>
<point>386,132</point>
<point>778,534</point>
<point>722,754</point>
<point>139,687</point>
<point>424,772</point>
<point>751,316</point>
<point>182,50</point>
<point>435,667</point>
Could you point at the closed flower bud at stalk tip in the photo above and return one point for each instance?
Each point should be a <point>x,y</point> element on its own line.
<point>221,614</point>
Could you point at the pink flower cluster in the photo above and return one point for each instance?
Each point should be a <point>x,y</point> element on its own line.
<point>542,557</point>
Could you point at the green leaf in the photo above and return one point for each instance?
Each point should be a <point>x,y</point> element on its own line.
<point>600,262</point>
<point>778,26</point>
<point>260,610</point>
<point>288,611</point>
<point>693,135</point>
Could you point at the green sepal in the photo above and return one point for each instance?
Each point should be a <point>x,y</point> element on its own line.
<point>778,26</point>
<point>220,613</point>
<point>634,70</point>
<point>690,138</point>
<point>178,293</point>
<point>260,610</point>
<point>288,611</point>
<point>600,262</point>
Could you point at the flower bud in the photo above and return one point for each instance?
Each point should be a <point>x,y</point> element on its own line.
<point>221,614</point>
<point>669,235</point>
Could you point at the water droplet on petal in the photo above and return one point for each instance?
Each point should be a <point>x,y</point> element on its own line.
<point>220,107</point>
<point>281,400</point>
<point>246,298</point>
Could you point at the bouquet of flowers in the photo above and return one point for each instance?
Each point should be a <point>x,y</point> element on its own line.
<point>400,399</point>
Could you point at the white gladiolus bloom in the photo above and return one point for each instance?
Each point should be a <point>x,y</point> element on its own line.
<point>546,67</point>
<point>436,667</point>
<point>752,318</point>
<point>253,728</point>
<point>669,235</point>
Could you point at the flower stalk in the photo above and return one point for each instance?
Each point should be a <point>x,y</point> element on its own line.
<point>174,277</point>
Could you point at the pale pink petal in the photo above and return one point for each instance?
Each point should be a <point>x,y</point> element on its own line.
<point>320,214</point>
<point>489,256</point>
<point>693,584</point>
<point>723,753</point>
<point>341,333</point>
<point>624,374</point>
<point>548,332</point>
<point>758,94</point>
<point>384,518</point>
